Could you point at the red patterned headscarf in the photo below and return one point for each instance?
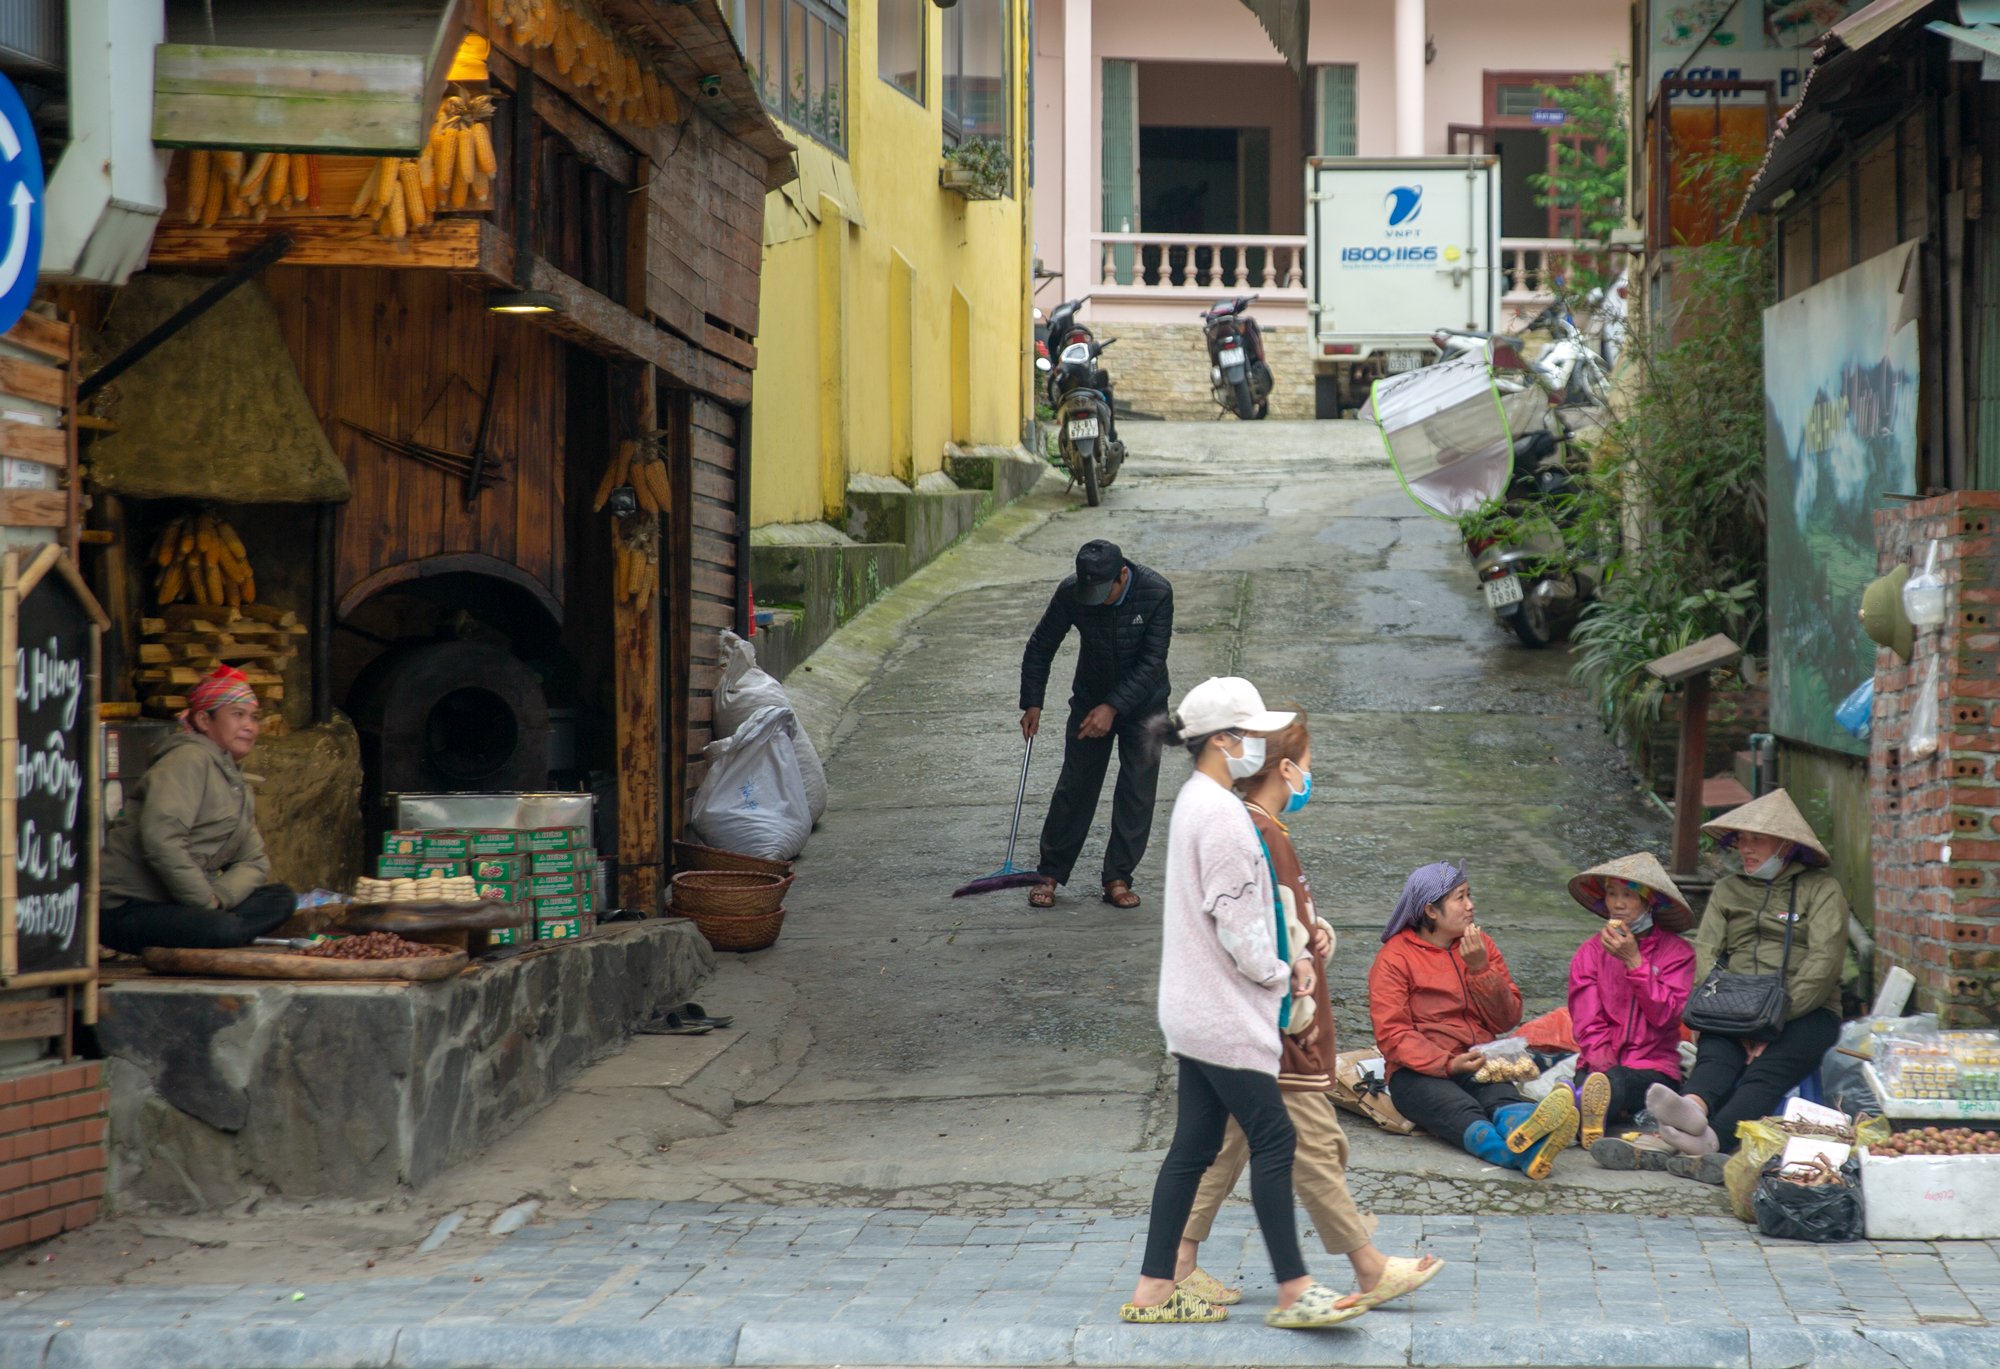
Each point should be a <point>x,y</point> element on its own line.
<point>225,685</point>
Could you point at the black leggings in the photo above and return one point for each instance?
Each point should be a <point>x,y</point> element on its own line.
<point>1445,1108</point>
<point>1210,1096</point>
<point>1737,1090</point>
<point>132,927</point>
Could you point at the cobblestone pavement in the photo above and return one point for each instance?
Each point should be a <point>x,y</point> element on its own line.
<point>671,1284</point>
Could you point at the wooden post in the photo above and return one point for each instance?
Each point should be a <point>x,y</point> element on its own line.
<point>1691,666</point>
<point>639,679</point>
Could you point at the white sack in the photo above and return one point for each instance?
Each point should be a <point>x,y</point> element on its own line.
<point>753,801</point>
<point>745,688</point>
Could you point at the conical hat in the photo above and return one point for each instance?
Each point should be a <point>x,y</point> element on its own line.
<point>1773,815</point>
<point>1588,889</point>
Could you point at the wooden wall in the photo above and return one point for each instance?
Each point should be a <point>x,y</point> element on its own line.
<point>409,354</point>
<point>710,533</point>
<point>704,230</point>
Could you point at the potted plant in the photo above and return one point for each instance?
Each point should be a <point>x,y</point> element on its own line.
<point>977,168</point>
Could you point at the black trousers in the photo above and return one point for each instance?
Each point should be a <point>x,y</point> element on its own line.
<point>1209,1096</point>
<point>1737,1089</point>
<point>1628,1090</point>
<point>1446,1107</point>
<point>1074,803</point>
<point>132,927</point>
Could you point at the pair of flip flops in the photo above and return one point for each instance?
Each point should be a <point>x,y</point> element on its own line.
<point>1313,1309</point>
<point>691,1020</point>
<point>1401,1276</point>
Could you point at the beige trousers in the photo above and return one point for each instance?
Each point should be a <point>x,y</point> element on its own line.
<point>1319,1176</point>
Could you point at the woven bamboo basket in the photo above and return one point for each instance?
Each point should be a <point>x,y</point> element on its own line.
<point>690,856</point>
<point>727,892</point>
<point>739,931</point>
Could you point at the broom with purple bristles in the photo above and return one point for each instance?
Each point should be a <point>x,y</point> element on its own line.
<point>1007,877</point>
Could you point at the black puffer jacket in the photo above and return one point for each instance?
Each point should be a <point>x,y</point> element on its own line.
<point>1123,659</point>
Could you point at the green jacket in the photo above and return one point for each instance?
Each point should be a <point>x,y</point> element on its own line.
<point>188,833</point>
<point>1745,922</point>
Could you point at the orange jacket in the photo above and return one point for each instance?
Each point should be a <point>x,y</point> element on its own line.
<point>1427,1007</point>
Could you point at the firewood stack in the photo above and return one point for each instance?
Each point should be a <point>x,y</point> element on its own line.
<point>189,640</point>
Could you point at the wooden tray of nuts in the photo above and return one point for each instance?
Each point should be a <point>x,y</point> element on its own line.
<point>364,957</point>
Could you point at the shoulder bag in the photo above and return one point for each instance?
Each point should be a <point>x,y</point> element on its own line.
<point>1747,1007</point>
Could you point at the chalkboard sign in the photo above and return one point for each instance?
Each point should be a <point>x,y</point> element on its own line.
<point>50,628</point>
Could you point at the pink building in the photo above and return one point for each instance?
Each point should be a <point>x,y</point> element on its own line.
<point>1170,135</point>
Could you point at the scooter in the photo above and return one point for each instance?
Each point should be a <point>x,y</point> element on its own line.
<point>1569,368</point>
<point>1238,375</point>
<point>1062,330</point>
<point>1533,577</point>
<point>1086,437</point>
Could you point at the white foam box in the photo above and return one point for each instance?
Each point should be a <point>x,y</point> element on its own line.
<point>1931,1197</point>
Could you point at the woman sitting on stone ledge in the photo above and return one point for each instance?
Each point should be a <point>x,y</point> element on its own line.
<point>184,864</point>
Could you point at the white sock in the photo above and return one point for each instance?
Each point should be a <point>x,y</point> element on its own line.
<point>1696,1144</point>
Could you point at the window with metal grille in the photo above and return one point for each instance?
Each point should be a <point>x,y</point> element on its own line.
<point>797,50</point>
<point>978,72</point>
<point>1337,121</point>
<point>899,45</point>
<point>1518,102</point>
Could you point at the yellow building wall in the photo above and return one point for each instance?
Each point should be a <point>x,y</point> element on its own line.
<point>875,281</point>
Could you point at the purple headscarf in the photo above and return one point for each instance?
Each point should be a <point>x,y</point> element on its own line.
<point>1426,885</point>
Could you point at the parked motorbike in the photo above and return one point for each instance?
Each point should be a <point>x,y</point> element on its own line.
<point>1487,451</point>
<point>1569,368</point>
<point>1061,331</point>
<point>1238,375</point>
<point>1530,569</point>
<point>1086,436</point>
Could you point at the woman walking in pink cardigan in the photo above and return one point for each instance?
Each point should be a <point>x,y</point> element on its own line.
<point>1227,978</point>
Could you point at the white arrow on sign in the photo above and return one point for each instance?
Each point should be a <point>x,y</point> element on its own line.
<point>10,141</point>
<point>17,243</point>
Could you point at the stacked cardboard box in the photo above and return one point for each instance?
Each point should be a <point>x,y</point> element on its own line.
<point>552,868</point>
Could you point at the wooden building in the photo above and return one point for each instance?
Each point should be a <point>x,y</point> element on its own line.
<point>556,274</point>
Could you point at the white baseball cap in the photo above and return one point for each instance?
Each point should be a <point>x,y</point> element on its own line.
<point>1228,703</point>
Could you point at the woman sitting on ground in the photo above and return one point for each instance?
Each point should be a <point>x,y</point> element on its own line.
<point>1785,886</point>
<point>1305,1077</point>
<point>1439,987</point>
<point>1627,987</point>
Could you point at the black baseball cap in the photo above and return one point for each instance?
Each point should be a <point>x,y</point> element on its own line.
<point>1097,565</point>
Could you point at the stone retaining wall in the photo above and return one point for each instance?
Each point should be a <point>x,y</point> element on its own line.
<point>225,1091</point>
<point>1162,369</point>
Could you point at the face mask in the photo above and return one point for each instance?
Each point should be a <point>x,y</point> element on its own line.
<point>1641,924</point>
<point>1772,868</point>
<point>1250,762</point>
<point>1300,797</point>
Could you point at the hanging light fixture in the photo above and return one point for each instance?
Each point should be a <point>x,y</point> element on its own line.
<point>523,302</point>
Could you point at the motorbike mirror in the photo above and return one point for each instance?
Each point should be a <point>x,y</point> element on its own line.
<point>1039,315</point>
<point>1042,364</point>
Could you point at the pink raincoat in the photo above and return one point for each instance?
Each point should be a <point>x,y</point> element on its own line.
<point>1631,1017</point>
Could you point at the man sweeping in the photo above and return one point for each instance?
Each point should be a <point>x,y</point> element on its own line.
<point>1124,614</point>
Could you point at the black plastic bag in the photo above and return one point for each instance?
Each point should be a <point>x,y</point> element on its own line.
<point>1823,1213</point>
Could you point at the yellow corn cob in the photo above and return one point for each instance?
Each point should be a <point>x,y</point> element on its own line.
<point>399,213</point>
<point>253,180</point>
<point>482,149</point>
<point>301,178</point>
<point>468,156</point>
<point>278,184</point>
<point>213,576</point>
<point>427,181</point>
<point>385,183</point>
<point>366,196</point>
<point>250,589</point>
<point>172,581</point>
<point>231,540</point>
<point>197,183</point>
<point>413,195</point>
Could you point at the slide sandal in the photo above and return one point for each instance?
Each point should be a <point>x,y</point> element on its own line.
<point>1210,1289</point>
<point>1401,1277</point>
<point>673,1024</point>
<point>1182,1308</point>
<point>694,1012</point>
<point>1316,1308</point>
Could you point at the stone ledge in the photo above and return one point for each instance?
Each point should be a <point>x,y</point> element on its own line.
<point>223,1090</point>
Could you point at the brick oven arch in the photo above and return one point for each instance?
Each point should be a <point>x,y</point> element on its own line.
<point>451,563</point>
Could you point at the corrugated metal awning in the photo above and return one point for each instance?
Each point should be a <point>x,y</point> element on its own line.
<point>1288,23</point>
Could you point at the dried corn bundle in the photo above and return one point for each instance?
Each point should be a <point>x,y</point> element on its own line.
<point>592,56</point>
<point>200,558</point>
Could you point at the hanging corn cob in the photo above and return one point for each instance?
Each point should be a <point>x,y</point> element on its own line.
<point>642,464</point>
<point>592,56</point>
<point>200,557</point>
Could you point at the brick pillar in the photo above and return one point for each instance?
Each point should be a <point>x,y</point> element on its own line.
<point>52,1150</point>
<point>1939,917</point>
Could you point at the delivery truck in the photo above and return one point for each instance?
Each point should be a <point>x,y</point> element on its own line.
<point>1396,248</point>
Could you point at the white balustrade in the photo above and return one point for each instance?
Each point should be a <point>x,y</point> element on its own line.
<point>1533,271</point>
<point>1183,264</point>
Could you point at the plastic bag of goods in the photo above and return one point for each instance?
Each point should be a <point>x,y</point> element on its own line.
<point>1809,1202</point>
<point>747,687</point>
<point>1561,1075</point>
<point>1840,1078</point>
<point>1507,1061</point>
<point>753,800</point>
<point>1763,1140</point>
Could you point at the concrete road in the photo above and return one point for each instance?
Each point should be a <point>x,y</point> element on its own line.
<point>897,1048</point>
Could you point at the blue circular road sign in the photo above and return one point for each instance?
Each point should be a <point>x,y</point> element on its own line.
<point>20,206</point>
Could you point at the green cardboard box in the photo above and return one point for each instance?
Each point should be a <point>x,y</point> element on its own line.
<point>447,845</point>
<point>558,928</point>
<point>403,843</point>
<point>493,841</point>
<point>397,867</point>
<point>507,936</point>
<point>569,905</point>
<point>556,886</point>
<point>554,839</point>
<point>503,868</point>
<point>499,891</point>
<point>562,862</point>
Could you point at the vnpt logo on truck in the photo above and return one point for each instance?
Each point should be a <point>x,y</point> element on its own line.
<point>1405,203</point>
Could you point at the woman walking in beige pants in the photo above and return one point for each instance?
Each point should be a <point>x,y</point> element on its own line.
<point>1319,1165</point>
